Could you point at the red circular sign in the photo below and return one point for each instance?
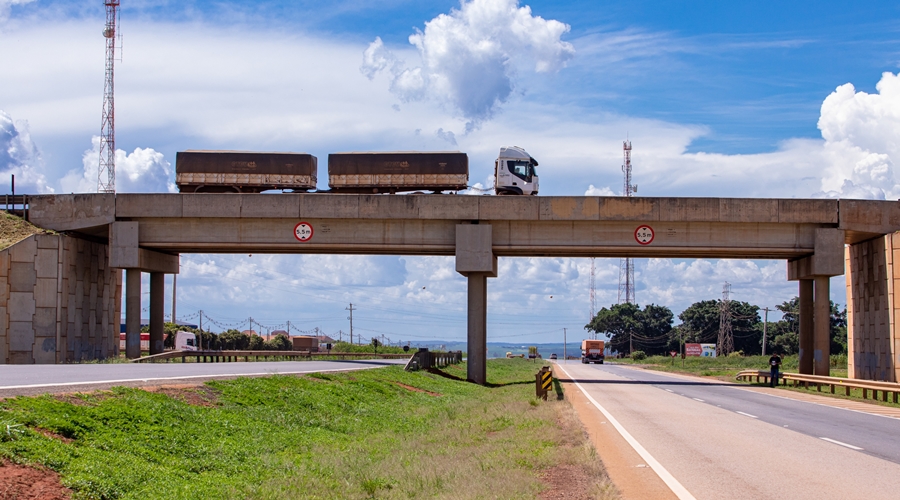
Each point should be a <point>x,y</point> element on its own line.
<point>644,235</point>
<point>303,231</point>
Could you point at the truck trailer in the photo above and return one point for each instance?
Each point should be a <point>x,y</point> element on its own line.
<point>199,171</point>
<point>244,171</point>
<point>398,171</point>
<point>592,351</point>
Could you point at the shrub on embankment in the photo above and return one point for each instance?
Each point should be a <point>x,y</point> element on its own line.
<point>380,433</point>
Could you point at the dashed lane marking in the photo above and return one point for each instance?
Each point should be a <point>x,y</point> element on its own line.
<point>698,399</point>
<point>746,414</point>
<point>845,445</point>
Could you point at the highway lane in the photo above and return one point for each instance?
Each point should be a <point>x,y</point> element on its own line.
<point>771,449</point>
<point>873,434</point>
<point>36,379</point>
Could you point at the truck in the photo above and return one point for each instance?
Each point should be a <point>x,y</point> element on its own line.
<point>305,343</point>
<point>592,351</point>
<point>185,341</point>
<point>201,171</point>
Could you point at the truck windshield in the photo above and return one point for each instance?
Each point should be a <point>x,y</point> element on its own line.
<point>521,168</point>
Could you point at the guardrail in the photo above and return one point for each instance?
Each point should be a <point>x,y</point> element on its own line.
<point>424,359</point>
<point>232,356</point>
<point>19,199</point>
<point>885,388</point>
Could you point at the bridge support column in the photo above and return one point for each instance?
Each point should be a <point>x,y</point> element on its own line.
<point>475,259</point>
<point>806,327</point>
<point>157,289</point>
<point>133,313</point>
<point>822,321</point>
<point>477,328</point>
<point>814,272</point>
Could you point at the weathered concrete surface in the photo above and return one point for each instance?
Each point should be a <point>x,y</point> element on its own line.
<point>873,310</point>
<point>125,252</point>
<point>473,250</point>
<point>59,301</point>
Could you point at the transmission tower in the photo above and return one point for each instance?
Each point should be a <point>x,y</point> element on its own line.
<point>106,175</point>
<point>725,343</point>
<point>626,266</point>
<point>593,295</point>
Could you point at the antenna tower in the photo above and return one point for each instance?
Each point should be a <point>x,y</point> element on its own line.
<point>593,293</point>
<point>626,265</point>
<point>725,343</point>
<point>106,175</point>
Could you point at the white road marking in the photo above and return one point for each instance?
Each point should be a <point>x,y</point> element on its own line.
<point>748,415</point>
<point>670,390</point>
<point>680,491</point>
<point>845,445</point>
<point>698,399</point>
<point>214,375</point>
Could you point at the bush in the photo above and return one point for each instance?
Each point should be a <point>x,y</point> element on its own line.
<point>278,343</point>
<point>736,354</point>
<point>638,355</point>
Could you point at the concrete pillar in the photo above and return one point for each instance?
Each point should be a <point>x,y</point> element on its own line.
<point>475,259</point>
<point>477,328</point>
<point>806,326</point>
<point>822,322</point>
<point>157,318</point>
<point>132,313</point>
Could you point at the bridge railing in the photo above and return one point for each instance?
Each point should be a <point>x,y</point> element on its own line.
<point>797,379</point>
<point>425,359</point>
<point>231,356</point>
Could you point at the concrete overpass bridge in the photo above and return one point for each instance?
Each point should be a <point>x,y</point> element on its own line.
<point>147,233</point>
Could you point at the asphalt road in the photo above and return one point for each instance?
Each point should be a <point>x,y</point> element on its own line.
<point>37,379</point>
<point>720,441</point>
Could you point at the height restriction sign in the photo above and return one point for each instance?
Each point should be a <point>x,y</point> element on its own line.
<point>644,235</point>
<point>303,231</point>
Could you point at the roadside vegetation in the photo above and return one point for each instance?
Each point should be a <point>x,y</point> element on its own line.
<point>381,433</point>
<point>14,229</point>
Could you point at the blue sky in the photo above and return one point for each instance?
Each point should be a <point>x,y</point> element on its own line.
<point>719,99</point>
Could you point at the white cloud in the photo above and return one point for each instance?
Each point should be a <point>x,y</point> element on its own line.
<point>143,171</point>
<point>19,156</point>
<point>595,191</point>
<point>470,56</point>
<point>862,140</point>
<point>6,7</point>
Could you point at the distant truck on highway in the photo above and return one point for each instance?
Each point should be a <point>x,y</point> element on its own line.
<point>592,351</point>
<point>356,172</point>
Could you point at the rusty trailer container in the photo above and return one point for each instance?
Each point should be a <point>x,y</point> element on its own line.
<point>398,171</point>
<point>244,171</point>
<point>305,343</point>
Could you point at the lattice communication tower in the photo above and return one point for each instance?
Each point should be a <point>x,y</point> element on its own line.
<point>106,175</point>
<point>626,266</point>
<point>593,294</point>
<point>725,343</point>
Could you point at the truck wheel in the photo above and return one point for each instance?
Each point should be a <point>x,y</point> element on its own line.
<point>601,362</point>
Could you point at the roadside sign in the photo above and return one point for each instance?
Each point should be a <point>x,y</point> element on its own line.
<point>693,350</point>
<point>673,353</point>
<point>303,231</point>
<point>644,235</point>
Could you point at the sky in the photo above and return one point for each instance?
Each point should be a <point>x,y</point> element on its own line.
<point>734,99</point>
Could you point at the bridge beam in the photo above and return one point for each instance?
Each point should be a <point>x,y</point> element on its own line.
<point>475,259</point>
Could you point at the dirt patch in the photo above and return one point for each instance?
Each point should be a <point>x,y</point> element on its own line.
<point>416,389</point>
<point>52,435</point>
<point>13,230</point>
<point>194,395</point>
<point>26,483</point>
<point>566,482</point>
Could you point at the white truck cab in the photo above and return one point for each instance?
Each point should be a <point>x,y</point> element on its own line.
<point>185,341</point>
<point>514,172</point>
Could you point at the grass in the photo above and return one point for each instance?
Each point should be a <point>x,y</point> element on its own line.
<point>14,229</point>
<point>727,366</point>
<point>361,434</point>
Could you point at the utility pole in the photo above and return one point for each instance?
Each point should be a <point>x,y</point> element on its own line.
<point>201,330</point>
<point>765,329</point>
<point>564,346</point>
<point>725,343</point>
<point>351,320</point>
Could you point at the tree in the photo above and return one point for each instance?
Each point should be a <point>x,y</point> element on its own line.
<point>629,327</point>
<point>233,340</point>
<point>786,333</point>
<point>700,324</point>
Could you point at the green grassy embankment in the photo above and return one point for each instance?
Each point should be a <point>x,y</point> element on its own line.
<point>381,433</point>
